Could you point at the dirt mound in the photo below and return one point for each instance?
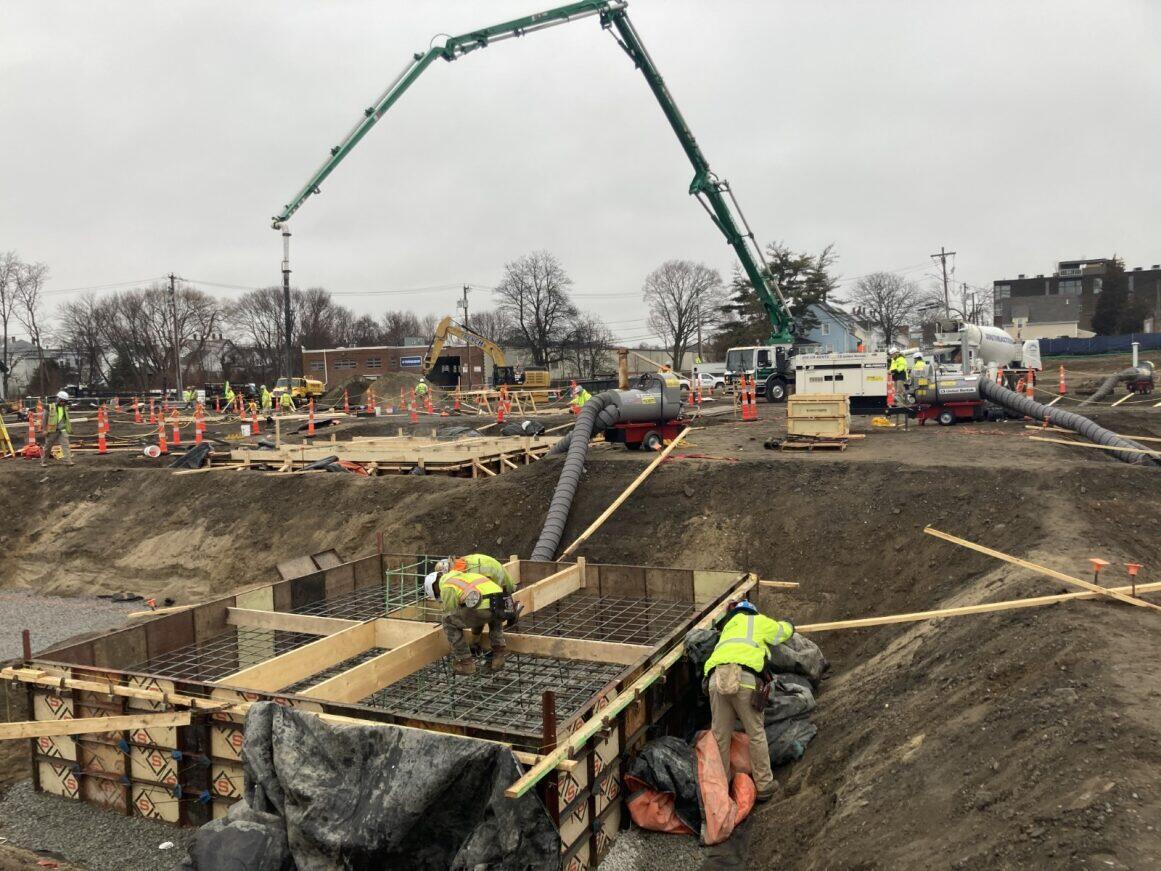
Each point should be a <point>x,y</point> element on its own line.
<point>1020,738</point>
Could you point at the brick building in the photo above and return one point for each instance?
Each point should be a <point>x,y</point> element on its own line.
<point>336,365</point>
<point>1080,282</point>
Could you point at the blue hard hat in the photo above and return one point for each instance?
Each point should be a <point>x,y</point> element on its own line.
<point>745,605</point>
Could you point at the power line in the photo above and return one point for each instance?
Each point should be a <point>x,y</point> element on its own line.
<point>105,286</point>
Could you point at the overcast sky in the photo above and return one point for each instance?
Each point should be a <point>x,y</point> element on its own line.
<point>139,138</point>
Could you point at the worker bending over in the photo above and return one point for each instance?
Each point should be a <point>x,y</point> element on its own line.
<point>738,681</point>
<point>480,564</point>
<point>57,427</point>
<point>470,601</point>
<point>286,403</point>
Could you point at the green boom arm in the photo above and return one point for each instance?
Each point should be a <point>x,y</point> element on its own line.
<point>713,193</point>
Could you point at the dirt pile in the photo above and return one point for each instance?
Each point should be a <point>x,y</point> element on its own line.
<point>1023,738</point>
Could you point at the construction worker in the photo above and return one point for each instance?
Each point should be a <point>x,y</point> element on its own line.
<point>898,365</point>
<point>286,403</point>
<point>470,601</point>
<point>738,683</point>
<point>229,394</point>
<point>480,564</point>
<point>57,427</point>
<point>267,400</point>
<point>421,388</point>
<point>579,397</point>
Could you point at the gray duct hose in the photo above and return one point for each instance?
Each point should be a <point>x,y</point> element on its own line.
<point>1022,405</point>
<point>597,409</point>
<point>1130,374</point>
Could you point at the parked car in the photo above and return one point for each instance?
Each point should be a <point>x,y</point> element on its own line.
<point>708,381</point>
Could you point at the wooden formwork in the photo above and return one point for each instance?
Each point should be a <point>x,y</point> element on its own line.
<point>478,456</point>
<point>601,626</point>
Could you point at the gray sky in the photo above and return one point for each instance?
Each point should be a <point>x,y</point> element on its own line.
<point>139,138</point>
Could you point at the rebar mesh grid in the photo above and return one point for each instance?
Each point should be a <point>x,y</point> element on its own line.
<point>605,618</point>
<point>230,651</point>
<point>508,699</point>
<point>401,587</point>
<point>326,674</point>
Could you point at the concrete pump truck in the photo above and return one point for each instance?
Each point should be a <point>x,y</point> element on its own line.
<point>770,363</point>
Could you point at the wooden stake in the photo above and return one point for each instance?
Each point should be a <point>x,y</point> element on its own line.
<point>1122,399</point>
<point>628,491</point>
<point>991,607</point>
<point>1052,573</point>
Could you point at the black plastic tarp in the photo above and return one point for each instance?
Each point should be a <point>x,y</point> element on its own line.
<point>321,796</point>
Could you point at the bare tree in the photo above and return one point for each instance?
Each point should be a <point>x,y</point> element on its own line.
<point>586,346</point>
<point>83,329</point>
<point>492,324</point>
<point>534,294</point>
<point>30,279</point>
<point>9,268</point>
<point>398,325</point>
<point>968,304</point>
<point>886,301</point>
<point>684,298</point>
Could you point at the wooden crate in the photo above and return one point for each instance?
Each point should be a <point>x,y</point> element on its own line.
<point>818,414</point>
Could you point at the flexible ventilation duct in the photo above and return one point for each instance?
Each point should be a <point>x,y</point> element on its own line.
<point>1133,373</point>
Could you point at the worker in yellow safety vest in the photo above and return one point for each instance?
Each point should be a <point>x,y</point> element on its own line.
<point>579,397</point>
<point>470,602</point>
<point>286,402</point>
<point>919,371</point>
<point>898,366</point>
<point>421,388</point>
<point>267,400</point>
<point>57,427</point>
<point>480,564</point>
<point>738,683</point>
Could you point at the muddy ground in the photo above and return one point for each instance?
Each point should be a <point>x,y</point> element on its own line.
<point>1022,739</point>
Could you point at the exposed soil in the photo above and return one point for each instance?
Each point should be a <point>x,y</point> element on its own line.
<point>1017,739</point>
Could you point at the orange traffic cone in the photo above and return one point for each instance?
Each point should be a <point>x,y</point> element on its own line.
<point>31,439</point>
<point>161,438</point>
<point>1063,384</point>
<point>456,401</point>
<point>310,419</point>
<point>500,409</point>
<point>414,413</point>
<point>254,430</point>
<point>890,391</point>
<point>152,412</point>
<point>346,402</point>
<point>102,426</point>
<point>199,425</point>
<point>217,405</point>
<point>136,410</point>
<point>176,429</point>
<point>1030,385</point>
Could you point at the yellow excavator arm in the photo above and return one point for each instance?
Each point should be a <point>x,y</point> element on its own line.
<point>447,328</point>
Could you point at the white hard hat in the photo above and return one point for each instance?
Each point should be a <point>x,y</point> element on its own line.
<point>443,565</point>
<point>429,584</point>
<point>893,350</point>
<point>62,395</point>
<point>918,355</point>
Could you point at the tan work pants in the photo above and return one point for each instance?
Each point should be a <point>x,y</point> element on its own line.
<point>55,437</point>
<point>474,619</point>
<point>727,708</point>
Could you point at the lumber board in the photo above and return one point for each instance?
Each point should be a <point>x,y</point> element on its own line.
<point>355,684</point>
<point>553,588</point>
<point>1076,444</point>
<point>604,718</point>
<point>1122,399</point>
<point>155,612</point>
<point>89,725</point>
<point>783,585</point>
<point>307,624</point>
<point>625,494</point>
<point>302,662</point>
<point>1136,438</point>
<point>964,610</point>
<point>576,648</point>
<point>1044,570</point>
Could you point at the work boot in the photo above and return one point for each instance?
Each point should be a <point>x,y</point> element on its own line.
<point>464,666</point>
<point>766,794</point>
<point>499,654</point>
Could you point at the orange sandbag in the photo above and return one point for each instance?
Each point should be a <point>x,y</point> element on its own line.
<point>721,810</point>
<point>653,810</point>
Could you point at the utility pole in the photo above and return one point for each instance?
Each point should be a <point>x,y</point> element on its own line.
<point>176,336</point>
<point>943,255</point>
<point>286,299</point>
<point>463,303</point>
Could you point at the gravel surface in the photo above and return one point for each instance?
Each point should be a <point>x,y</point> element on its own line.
<point>53,618</point>
<point>638,850</point>
<point>94,839</point>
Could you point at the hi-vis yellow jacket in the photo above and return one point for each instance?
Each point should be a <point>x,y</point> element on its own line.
<point>489,567</point>
<point>745,640</point>
<point>455,586</point>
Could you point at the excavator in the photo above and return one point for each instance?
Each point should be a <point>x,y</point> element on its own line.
<point>533,377</point>
<point>770,362</point>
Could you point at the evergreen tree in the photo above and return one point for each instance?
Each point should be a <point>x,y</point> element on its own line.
<point>1112,301</point>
